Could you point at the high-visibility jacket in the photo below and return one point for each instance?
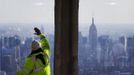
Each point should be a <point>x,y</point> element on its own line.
<point>35,66</point>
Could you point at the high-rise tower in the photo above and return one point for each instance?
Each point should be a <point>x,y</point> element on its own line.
<point>93,36</point>
<point>93,45</point>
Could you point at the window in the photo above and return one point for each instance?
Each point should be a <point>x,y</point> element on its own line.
<point>106,37</point>
<point>17,20</point>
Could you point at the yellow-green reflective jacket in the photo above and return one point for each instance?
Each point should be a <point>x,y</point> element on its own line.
<point>35,66</point>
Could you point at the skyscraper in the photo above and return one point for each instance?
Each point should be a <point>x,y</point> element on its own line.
<point>93,44</point>
<point>93,36</point>
<point>105,44</point>
<point>130,49</point>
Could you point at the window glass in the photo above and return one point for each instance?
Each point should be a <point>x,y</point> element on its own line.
<point>106,37</point>
<point>17,20</point>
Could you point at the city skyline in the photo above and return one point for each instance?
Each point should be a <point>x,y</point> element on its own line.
<point>113,30</point>
<point>106,49</point>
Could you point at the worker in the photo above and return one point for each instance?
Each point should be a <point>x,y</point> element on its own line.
<point>37,63</point>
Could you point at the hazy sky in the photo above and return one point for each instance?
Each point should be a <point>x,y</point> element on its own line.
<point>104,11</point>
<point>107,11</point>
<point>26,11</point>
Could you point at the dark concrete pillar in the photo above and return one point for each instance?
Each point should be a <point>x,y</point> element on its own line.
<point>66,37</point>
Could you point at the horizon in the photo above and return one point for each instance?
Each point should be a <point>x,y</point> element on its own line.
<point>113,31</point>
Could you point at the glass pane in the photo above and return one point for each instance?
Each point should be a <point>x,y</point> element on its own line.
<point>17,20</point>
<point>106,37</point>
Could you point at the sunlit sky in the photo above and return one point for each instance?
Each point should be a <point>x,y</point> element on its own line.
<point>36,11</point>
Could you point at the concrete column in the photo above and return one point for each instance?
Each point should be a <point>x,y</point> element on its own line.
<point>66,37</point>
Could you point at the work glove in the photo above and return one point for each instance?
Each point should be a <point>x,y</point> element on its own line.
<point>37,31</point>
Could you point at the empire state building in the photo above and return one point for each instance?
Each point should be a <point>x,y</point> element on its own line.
<point>93,37</point>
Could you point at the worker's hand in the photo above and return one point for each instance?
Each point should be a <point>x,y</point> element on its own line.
<point>37,31</point>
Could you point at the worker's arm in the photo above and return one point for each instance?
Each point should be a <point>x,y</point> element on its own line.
<point>45,44</point>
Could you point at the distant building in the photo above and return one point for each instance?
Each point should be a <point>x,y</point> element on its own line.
<point>106,46</point>
<point>80,38</point>
<point>84,42</point>
<point>7,63</point>
<point>93,36</point>
<point>92,42</point>
<point>2,73</point>
<point>123,41</point>
<point>130,49</point>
